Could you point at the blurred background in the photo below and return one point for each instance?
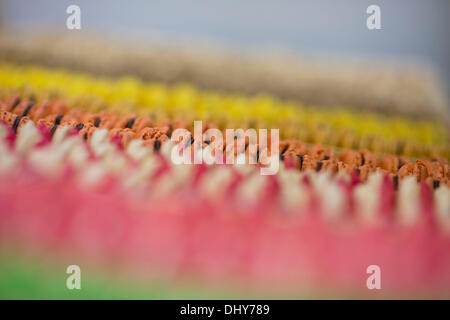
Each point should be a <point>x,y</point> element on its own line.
<point>413,31</point>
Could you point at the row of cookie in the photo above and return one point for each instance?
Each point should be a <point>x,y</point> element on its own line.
<point>294,153</point>
<point>345,129</point>
<point>94,201</point>
<point>150,172</point>
<point>386,88</point>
